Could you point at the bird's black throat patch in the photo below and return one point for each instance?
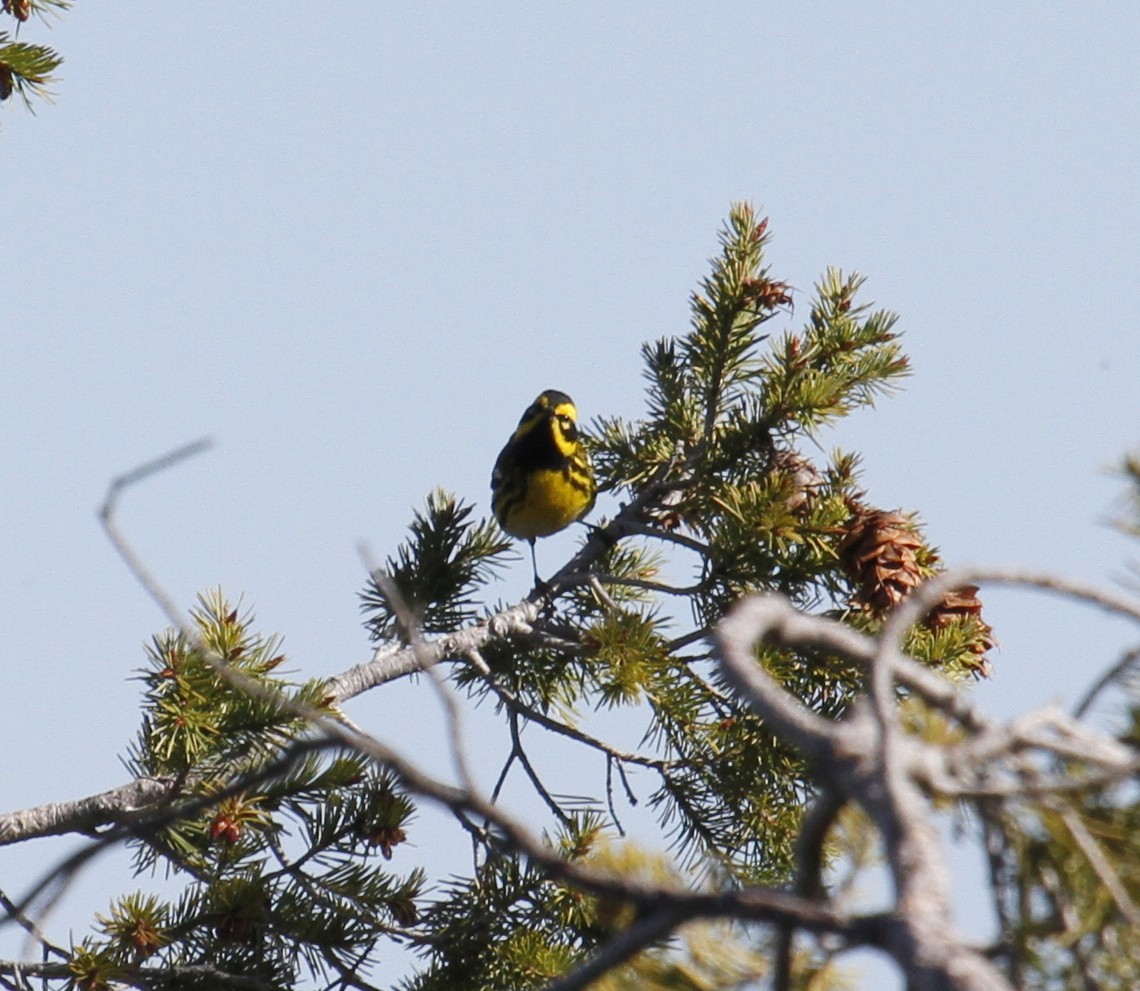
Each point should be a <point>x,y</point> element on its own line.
<point>537,448</point>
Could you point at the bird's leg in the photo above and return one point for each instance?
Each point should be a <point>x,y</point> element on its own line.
<point>539,584</point>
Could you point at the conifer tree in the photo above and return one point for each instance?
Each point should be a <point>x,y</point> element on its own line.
<point>795,653</point>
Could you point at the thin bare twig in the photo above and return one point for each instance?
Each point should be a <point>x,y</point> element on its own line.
<point>502,778</point>
<point>623,946</point>
<point>687,638</point>
<point>411,630</point>
<point>924,598</point>
<point>672,537</point>
<point>652,586</point>
<point>1099,863</point>
<point>512,702</point>
<point>629,795</point>
<point>1110,677</point>
<point>33,931</point>
<point>1038,786</point>
<point>531,773</point>
<point>610,797</point>
<point>602,594</point>
<point>118,541</point>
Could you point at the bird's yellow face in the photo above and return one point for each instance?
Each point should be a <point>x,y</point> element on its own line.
<point>559,410</point>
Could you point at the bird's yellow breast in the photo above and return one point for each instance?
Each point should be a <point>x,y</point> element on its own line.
<point>552,502</point>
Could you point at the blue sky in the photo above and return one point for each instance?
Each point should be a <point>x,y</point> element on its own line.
<point>351,242</point>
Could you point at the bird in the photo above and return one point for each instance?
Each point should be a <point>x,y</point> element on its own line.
<point>543,480</point>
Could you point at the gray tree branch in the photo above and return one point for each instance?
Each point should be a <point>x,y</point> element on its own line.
<point>883,773</point>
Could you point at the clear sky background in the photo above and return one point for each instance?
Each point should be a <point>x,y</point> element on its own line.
<point>351,241</point>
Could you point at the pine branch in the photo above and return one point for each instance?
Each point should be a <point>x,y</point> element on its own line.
<point>26,69</point>
<point>437,570</point>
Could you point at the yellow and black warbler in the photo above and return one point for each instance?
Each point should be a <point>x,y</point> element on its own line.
<point>543,480</point>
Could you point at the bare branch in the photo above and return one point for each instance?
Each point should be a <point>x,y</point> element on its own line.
<point>186,975</point>
<point>31,928</point>
<point>602,594</point>
<point>427,663</point>
<point>110,524</point>
<point>625,945</point>
<point>512,702</point>
<point>1110,677</point>
<point>610,795</point>
<point>672,537</point>
<point>883,774</point>
<point>629,582</point>
<point>1099,863</point>
<point>518,750</point>
<point>388,665</point>
<point>147,821</point>
<point>924,598</point>
<point>809,875</point>
<point>773,618</point>
<point>84,815</point>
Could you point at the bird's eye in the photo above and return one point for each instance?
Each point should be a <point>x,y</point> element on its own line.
<point>569,430</point>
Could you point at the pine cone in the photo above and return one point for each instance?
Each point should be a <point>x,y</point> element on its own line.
<point>881,556</point>
<point>19,9</point>
<point>885,557</point>
<point>960,604</point>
